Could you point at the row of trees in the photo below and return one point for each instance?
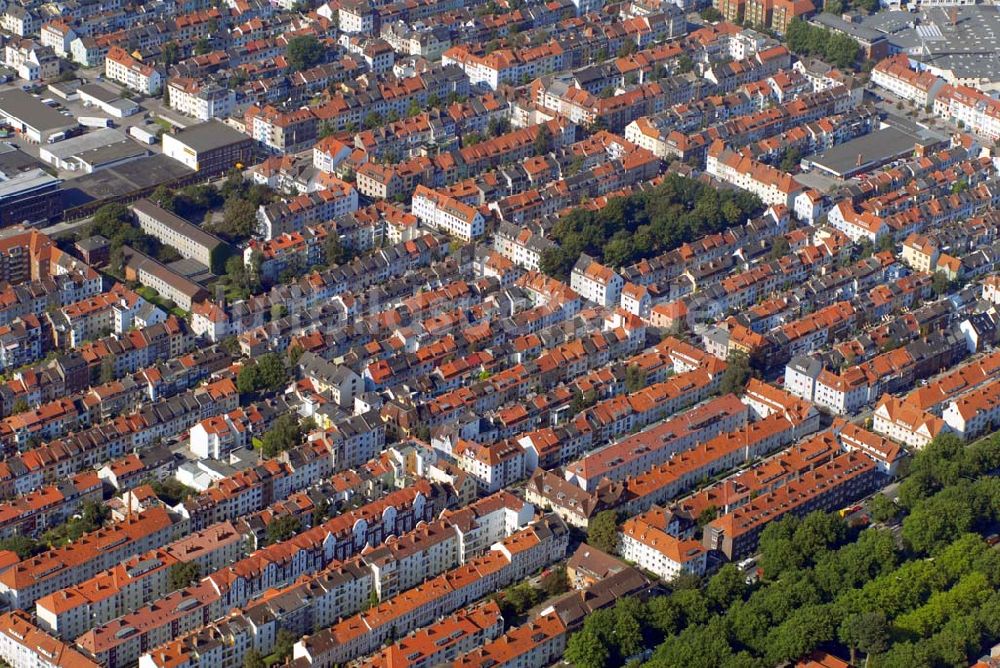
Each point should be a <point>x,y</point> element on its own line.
<point>805,39</point>
<point>647,223</point>
<point>932,601</point>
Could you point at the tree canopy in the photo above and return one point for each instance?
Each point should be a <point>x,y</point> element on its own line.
<point>285,434</point>
<point>805,39</point>
<point>603,531</point>
<point>266,374</point>
<point>646,223</point>
<point>303,52</point>
<point>826,585</point>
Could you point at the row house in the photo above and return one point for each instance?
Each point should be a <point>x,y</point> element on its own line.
<point>343,588</point>
<point>849,477</point>
<point>507,561</point>
<point>338,199</point>
<point>638,453</point>
<point>120,66</point>
<point>662,483</point>
<point>33,513</point>
<point>125,587</point>
<point>773,186</point>
<point>58,568</point>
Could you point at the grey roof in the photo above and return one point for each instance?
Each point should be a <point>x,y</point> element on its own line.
<point>809,366</point>
<point>113,153</point>
<point>855,30</point>
<point>177,224</point>
<point>76,146</point>
<point>92,243</point>
<point>99,93</point>
<point>26,109</point>
<point>208,136</point>
<point>870,150</point>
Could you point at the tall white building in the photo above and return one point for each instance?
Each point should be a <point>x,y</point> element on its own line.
<point>447,214</point>
<point>595,282</point>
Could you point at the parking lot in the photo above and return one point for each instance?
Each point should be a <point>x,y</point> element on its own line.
<point>149,109</point>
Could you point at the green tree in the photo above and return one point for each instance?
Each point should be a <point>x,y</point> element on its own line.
<point>941,284</point>
<point>603,531</point>
<point>253,659</point>
<point>303,52</point>
<point>107,369</point>
<point>543,140</point>
<point>20,406</point>
<point>273,374</point>
<point>520,598</point>
<point>24,546</point>
<point>629,614</point>
<point>202,46</point>
<point>867,632</point>
<point>882,508</point>
<point>726,587</point>
<point>169,54</point>
<point>183,574</point>
<point>779,247</point>
<point>791,159</point>
<point>555,582</point>
<point>334,251</point>
<point>282,528</point>
<point>737,373</point>
<point>284,434</point>
<point>498,126</point>
<point>284,643</point>
<point>711,14</point>
<point>171,491</point>
<point>635,378</point>
<point>586,649</point>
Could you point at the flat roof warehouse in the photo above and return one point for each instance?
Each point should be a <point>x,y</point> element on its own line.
<point>28,114</point>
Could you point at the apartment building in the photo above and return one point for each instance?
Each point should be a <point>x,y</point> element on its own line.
<point>897,76</point>
<point>337,199</point>
<point>773,186</point>
<point>595,282</point>
<point>120,66</point>
<point>444,641</point>
<point>643,543</point>
<point>24,644</point>
<point>535,644</point>
<point>447,214</point>
<point>905,423</point>
<point>507,561</point>
<point>61,567</point>
<point>975,412</point>
<point>217,436</point>
<point>186,238</point>
<point>639,452</point>
<point>494,466</point>
<point>70,612</point>
<point>971,107</point>
<point>835,484</point>
<point>662,483</point>
<point>200,100</point>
